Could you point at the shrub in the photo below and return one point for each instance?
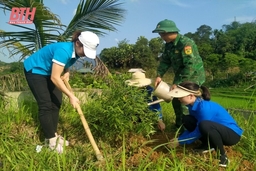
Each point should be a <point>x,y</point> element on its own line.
<point>119,110</point>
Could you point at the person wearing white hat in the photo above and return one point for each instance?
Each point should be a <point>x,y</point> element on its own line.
<point>90,42</point>
<point>139,80</point>
<point>45,71</point>
<point>207,121</point>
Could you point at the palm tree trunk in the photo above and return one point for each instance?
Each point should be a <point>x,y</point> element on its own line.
<point>100,68</point>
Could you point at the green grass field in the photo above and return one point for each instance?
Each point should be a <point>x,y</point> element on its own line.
<point>20,134</point>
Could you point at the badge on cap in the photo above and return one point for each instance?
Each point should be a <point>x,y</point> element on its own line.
<point>188,50</point>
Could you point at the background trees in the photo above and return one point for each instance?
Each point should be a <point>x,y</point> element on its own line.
<point>142,54</point>
<point>229,50</point>
<point>225,52</point>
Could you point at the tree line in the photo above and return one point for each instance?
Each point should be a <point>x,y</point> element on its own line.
<point>228,50</point>
<point>232,49</point>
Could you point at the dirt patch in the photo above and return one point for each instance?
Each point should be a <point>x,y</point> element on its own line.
<point>142,149</point>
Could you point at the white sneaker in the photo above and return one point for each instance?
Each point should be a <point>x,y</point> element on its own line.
<point>61,140</point>
<point>54,145</point>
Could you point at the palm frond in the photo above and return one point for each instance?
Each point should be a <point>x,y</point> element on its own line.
<point>97,16</point>
<point>47,29</point>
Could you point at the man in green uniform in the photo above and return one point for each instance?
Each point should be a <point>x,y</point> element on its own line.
<point>182,55</point>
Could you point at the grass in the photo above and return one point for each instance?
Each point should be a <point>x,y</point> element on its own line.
<point>235,98</point>
<point>20,134</point>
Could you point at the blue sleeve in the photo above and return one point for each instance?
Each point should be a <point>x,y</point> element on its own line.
<point>61,56</point>
<point>159,111</point>
<point>189,137</point>
<point>155,107</point>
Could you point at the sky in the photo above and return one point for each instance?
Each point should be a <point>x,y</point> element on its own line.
<point>142,16</point>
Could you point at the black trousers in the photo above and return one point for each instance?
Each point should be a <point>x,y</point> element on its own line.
<point>216,134</point>
<point>49,99</point>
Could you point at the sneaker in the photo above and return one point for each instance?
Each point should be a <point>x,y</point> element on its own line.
<point>203,148</point>
<point>223,161</point>
<point>61,140</point>
<point>54,145</point>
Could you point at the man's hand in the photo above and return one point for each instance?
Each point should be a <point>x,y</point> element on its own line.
<point>174,143</point>
<point>158,80</point>
<point>173,86</point>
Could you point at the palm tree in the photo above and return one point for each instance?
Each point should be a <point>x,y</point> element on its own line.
<point>98,16</point>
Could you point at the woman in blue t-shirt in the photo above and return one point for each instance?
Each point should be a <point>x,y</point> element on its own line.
<point>45,71</point>
<point>207,121</point>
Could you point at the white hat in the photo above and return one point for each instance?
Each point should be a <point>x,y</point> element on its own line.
<point>180,91</point>
<point>136,69</point>
<point>138,79</point>
<point>90,41</point>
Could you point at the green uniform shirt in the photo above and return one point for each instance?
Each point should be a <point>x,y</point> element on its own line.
<point>182,55</point>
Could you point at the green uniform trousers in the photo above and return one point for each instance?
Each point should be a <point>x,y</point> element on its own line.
<point>178,110</point>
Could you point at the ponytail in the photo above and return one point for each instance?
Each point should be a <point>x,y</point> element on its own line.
<point>205,93</point>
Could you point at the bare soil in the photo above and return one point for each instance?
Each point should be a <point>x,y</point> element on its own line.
<point>141,148</point>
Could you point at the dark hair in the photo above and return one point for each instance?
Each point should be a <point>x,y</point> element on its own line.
<point>75,36</point>
<point>195,87</point>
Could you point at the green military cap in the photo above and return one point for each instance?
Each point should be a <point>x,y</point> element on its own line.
<point>166,26</point>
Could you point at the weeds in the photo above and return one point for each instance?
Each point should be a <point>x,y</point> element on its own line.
<point>124,140</point>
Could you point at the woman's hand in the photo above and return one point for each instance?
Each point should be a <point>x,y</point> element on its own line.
<point>174,143</point>
<point>74,101</point>
<point>65,76</point>
<point>161,125</point>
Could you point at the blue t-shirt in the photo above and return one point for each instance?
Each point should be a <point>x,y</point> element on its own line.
<point>208,110</point>
<point>40,62</point>
<point>155,107</point>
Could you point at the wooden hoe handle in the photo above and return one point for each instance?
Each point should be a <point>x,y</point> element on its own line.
<point>86,127</point>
